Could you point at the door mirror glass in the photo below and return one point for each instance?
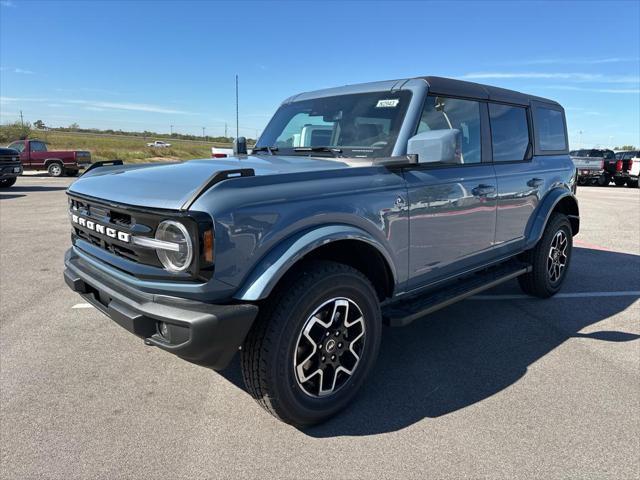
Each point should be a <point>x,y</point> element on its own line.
<point>441,146</point>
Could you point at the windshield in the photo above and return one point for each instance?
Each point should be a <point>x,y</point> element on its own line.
<point>356,125</point>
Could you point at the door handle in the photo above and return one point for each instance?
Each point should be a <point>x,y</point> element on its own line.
<point>483,190</point>
<point>535,182</point>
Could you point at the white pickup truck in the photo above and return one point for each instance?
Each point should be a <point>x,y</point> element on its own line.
<point>590,168</point>
<point>633,168</point>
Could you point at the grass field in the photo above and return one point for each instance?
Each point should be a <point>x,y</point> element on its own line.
<point>129,149</point>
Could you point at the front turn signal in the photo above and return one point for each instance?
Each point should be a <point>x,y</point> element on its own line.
<point>208,246</point>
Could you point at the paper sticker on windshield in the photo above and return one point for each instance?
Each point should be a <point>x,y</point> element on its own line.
<point>388,103</point>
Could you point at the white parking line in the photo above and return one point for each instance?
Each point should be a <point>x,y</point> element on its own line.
<point>558,295</point>
<point>83,305</point>
<point>633,293</point>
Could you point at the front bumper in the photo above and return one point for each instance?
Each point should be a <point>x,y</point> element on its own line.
<point>199,332</point>
<point>10,170</point>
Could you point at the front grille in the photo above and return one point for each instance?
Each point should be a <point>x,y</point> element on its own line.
<point>128,222</point>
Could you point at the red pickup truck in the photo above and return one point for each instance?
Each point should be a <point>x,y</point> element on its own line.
<point>35,156</point>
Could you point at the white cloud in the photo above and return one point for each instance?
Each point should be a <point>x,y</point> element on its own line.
<point>576,77</point>
<point>7,3</point>
<point>23,72</point>
<point>574,61</point>
<point>136,107</point>
<point>595,90</point>
<point>98,104</point>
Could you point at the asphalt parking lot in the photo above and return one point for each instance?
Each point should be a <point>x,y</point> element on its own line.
<point>498,386</point>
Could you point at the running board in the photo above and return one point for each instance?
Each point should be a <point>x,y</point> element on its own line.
<point>403,312</point>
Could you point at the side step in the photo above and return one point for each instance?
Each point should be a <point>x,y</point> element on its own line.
<point>403,312</point>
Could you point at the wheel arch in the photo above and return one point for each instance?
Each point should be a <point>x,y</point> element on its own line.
<point>49,161</point>
<point>342,243</point>
<point>557,200</point>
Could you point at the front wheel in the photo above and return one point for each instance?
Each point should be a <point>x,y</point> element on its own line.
<point>314,343</point>
<point>549,259</point>
<point>632,183</point>
<point>7,182</point>
<point>619,182</point>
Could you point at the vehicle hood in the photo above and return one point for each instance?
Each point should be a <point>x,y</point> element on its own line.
<point>170,185</point>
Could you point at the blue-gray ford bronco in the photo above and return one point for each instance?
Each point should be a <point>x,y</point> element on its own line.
<point>359,206</point>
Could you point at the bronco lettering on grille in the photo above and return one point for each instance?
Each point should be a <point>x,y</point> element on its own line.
<point>102,229</point>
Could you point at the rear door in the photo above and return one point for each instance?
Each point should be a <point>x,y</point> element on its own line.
<point>520,178</point>
<point>452,207</point>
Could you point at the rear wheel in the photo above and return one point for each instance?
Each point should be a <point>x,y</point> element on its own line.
<point>7,182</point>
<point>549,259</point>
<point>314,343</point>
<point>620,182</point>
<point>632,183</point>
<point>55,169</point>
<point>604,180</point>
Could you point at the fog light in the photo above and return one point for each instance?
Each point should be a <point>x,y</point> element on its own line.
<point>163,328</point>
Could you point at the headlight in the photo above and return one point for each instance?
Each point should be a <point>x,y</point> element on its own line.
<point>179,258</point>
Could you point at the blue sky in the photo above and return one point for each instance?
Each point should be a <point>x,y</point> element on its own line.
<point>148,65</point>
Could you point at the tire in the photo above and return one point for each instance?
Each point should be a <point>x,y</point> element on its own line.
<point>7,182</point>
<point>603,180</point>
<point>540,282</point>
<point>277,347</point>
<point>55,169</point>
<point>582,180</point>
<point>620,182</point>
<point>632,183</point>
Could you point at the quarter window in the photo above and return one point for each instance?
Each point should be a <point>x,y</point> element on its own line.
<point>509,132</point>
<point>550,129</point>
<point>442,113</point>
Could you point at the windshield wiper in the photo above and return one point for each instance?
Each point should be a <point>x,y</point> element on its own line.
<point>265,149</point>
<point>335,151</point>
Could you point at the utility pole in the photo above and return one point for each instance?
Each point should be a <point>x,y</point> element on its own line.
<point>171,126</point>
<point>21,119</point>
<point>225,130</point>
<point>237,119</point>
<point>203,131</point>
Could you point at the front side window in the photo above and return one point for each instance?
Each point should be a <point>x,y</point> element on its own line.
<point>550,129</point>
<point>355,125</point>
<point>509,132</point>
<point>442,113</point>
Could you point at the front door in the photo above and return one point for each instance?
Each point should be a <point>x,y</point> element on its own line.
<point>452,207</point>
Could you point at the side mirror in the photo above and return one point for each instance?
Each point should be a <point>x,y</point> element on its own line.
<point>240,146</point>
<point>443,146</point>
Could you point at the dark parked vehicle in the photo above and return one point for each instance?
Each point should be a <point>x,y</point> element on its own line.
<point>35,156</point>
<point>359,205</point>
<point>10,167</point>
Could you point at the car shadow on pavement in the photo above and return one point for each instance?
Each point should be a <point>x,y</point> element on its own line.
<point>36,188</point>
<point>9,197</point>
<point>470,351</point>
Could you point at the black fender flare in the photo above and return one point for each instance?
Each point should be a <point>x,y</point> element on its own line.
<point>552,201</point>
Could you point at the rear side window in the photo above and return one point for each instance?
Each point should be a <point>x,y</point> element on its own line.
<point>509,132</point>
<point>550,129</point>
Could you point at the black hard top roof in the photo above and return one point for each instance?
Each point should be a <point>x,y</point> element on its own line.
<point>461,88</point>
